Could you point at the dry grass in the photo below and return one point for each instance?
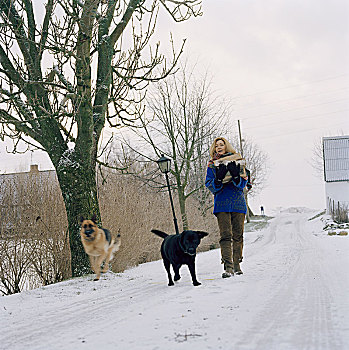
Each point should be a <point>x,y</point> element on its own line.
<point>32,234</point>
<point>33,224</point>
<point>133,210</point>
<point>340,213</point>
<point>332,233</point>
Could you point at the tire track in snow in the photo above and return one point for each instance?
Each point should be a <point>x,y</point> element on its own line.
<point>299,312</point>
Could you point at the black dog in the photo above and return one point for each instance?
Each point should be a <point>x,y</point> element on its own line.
<point>180,250</point>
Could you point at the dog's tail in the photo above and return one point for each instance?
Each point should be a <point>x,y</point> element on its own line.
<point>160,233</point>
<point>117,243</point>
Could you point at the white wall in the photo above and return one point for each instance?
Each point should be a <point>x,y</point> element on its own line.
<point>337,191</point>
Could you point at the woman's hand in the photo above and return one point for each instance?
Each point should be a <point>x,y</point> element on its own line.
<point>234,169</point>
<point>221,171</point>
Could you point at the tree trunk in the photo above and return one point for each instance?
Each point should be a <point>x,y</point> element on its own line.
<point>79,190</point>
<point>248,212</point>
<point>182,199</point>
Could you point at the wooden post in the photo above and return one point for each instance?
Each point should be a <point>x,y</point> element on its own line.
<point>245,190</point>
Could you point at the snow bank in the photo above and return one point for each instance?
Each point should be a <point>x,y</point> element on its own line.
<point>292,295</point>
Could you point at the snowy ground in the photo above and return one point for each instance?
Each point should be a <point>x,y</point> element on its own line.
<point>293,295</point>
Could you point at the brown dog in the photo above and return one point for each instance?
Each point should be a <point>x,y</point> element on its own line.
<point>99,244</point>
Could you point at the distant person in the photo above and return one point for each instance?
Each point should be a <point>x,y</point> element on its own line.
<point>262,210</point>
<point>229,205</point>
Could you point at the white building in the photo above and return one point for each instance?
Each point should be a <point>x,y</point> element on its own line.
<point>336,172</point>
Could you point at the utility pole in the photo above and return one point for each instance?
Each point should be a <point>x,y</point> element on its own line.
<point>245,190</point>
<point>240,137</point>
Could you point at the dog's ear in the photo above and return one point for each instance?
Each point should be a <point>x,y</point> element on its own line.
<point>94,218</point>
<point>202,234</point>
<point>81,219</point>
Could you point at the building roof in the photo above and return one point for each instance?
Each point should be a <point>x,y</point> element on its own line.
<point>336,158</point>
<point>14,181</point>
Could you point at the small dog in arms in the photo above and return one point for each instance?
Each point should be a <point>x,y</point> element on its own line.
<point>178,250</point>
<point>99,244</point>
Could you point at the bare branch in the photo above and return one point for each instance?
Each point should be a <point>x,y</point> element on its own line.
<point>183,10</point>
<point>45,26</point>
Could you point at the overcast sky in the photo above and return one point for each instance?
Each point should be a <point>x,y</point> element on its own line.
<point>284,64</point>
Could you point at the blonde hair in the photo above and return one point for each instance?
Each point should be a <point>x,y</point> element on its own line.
<point>228,146</point>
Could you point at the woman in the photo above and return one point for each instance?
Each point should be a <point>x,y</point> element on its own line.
<point>229,205</point>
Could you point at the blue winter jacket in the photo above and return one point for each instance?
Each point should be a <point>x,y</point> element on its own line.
<point>228,197</point>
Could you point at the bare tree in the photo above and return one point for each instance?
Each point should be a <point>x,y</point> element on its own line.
<point>317,159</point>
<point>97,70</point>
<point>183,114</point>
<point>14,263</point>
<point>257,162</point>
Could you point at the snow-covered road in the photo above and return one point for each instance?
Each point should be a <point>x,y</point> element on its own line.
<point>293,295</point>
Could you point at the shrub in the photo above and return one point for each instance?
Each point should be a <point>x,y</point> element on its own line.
<point>33,227</point>
<point>340,213</point>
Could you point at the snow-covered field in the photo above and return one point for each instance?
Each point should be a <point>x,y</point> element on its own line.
<point>294,294</point>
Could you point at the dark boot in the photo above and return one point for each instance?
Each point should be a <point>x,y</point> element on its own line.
<point>237,257</point>
<point>224,223</point>
<point>227,258</point>
<point>237,268</point>
<point>228,272</point>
